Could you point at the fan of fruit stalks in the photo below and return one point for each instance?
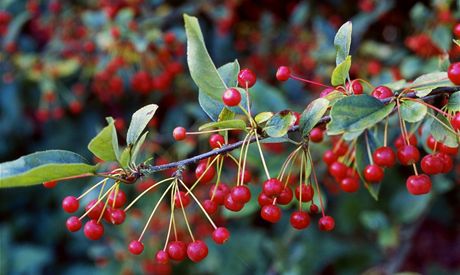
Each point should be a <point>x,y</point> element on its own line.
<point>357,117</point>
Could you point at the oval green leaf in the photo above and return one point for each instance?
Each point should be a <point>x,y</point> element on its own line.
<point>279,124</point>
<point>340,73</point>
<point>263,117</point>
<point>342,42</point>
<point>43,166</point>
<point>139,121</point>
<point>312,114</point>
<point>232,123</point>
<point>442,131</point>
<point>412,111</point>
<point>454,102</point>
<point>105,144</point>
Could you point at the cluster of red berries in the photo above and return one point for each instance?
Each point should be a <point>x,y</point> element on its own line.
<point>5,18</point>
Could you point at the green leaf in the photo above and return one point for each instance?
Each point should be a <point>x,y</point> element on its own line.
<point>424,84</point>
<point>356,113</point>
<point>340,73</point>
<point>105,144</point>
<point>43,166</point>
<point>454,102</point>
<point>226,114</point>
<point>138,146</point>
<point>442,131</point>
<point>412,111</point>
<point>263,117</point>
<point>125,157</point>
<point>139,121</point>
<point>442,37</point>
<point>342,42</point>
<point>279,124</point>
<point>362,160</point>
<point>203,71</point>
<point>232,123</point>
<point>312,115</point>
<point>334,96</point>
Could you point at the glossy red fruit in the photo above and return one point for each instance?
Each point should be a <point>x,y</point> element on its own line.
<point>285,196</point>
<point>305,191</point>
<point>453,151</point>
<point>70,204</point>
<point>356,87</point>
<point>179,133</point>
<point>373,173</point>
<point>181,199</point>
<point>384,156</point>
<point>73,224</point>
<point>272,187</point>
<point>349,184</point>
<point>177,250</point>
<point>431,142</point>
<point>162,257</point>
<point>220,235</point>
<point>408,155</point>
<point>117,199</point>
<point>297,117</point>
<point>300,220</point>
<point>271,213</point>
<point>50,184</point>
<point>200,172</point>
<point>210,206</point>
<point>431,165</point>
<point>116,216</point>
<point>326,223</point>
<point>400,141</point>
<point>418,184</point>
<point>93,230</point>
<point>241,194</point>
<point>246,78</point>
<point>329,157</point>
<point>232,205</point>
<point>338,170</point>
<point>453,72</point>
<point>340,148</point>
<point>283,73</point>
<point>455,121</point>
<point>246,176</point>
<point>217,193</point>
<point>263,199</point>
<point>197,251</point>
<point>136,247</point>
<point>316,135</point>
<point>314,208</point>
<point>447,162</point>
<point>96,211</point>
<point>382,92</point>
<point>231,97</point>
<point>216,141</point>
<point>456,30</point>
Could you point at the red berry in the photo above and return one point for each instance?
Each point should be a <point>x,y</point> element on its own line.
<point>314,208</point>
<point>448,150</point>
<point>447,162</point>
<point>283,73</point>
<point>384,156</point>
<point>329,157</point>
<point>418,184</point>
<point>218,193</point>
<point>382,92</point>
<point>431,142</point>
<point>246,78</point>
<point>50,184</point>
<point>216,141</point>
<point>271,213</point>
<point>117,199</point>
<point>70,204</point>
<point>210,206</point>
<point>373,173</point>
<point>453,72</point>
<point>297,117</point>
<point>232,205</point>
<point>162,257</point>
<point>241,194</point>
<point>300,220</point>
<point>326,223</point>
<point>349,184</point>
<point>231,97</point>
<point>305,191</point>
<point>73,224</point>
<point>455,121</point>
<point>263,199</point>
<point>116,216</point>
<point>246,175</point>
<point>400,141</point>
<point>136,247</point>
<point>96,211</point>
<point>340,148</point>
<point>93,230</point>
<point>431,165</point>
<point>181,199</point>
<point>220,235</point>
<point>316,135</point>
<point>456,30</point>
<point>338,170</point>
<point>200,172</point>
<point>285,196</point>
<point>179,133</point>
<point>356,87</point>
<point>408,155</point>
<point>177,250</point>
<point>272,187</point>
<point>197,251</point>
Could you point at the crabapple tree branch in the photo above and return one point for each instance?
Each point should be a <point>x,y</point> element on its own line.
<point>435,93</point>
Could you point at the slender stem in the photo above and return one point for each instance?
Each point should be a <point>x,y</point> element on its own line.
<point>385,132</point>
<point>170,223</point>
<point>316,182</point>
<point>309,81</point>
<point>91,189</point>
<point>145,191</point>
<point>262,156</point>
<point>213,131</point>
<point>368,148</point>
<point>443,124</point>
<point>183,210</point>
<point>201,206</point>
